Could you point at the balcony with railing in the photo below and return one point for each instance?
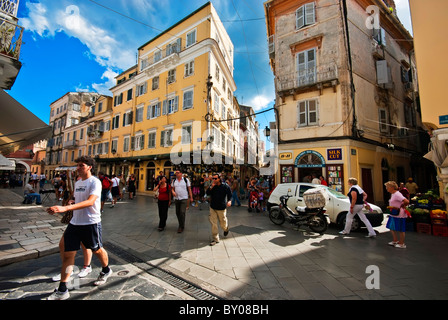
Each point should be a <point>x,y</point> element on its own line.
<point>10,45</point>
<point>70,144</point>
<point>325,75</point>
<point>168,56</point>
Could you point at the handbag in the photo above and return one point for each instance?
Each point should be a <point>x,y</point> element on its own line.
<point>156,194</point>
<point>67,217</point>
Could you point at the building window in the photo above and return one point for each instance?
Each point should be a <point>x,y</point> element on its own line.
<point>166,138</point>
<point>152,140</point>
<point>139,142</point>
<point>188,100</point>
<point>189,68</point>
<point>141,89</point>
<point>100,107</point>
<point>306,67</point>
<point>155,83</point>
<point>153,111</point>
<point>170,105</point>
<point>191,38</point>
<point>305,15</point>
<point>127,118</point>
<point>116,121</point>
<point>308,113</point>
<point>384,128</point>
<point>118,99</point>
<point>129,95</point>
<point>126,144</point>
<point>216,104</point>
<point>186,134</point>
<point>114,145</point>
<point>171,76</point>
<point>139,114</point>
<point>157,56</point>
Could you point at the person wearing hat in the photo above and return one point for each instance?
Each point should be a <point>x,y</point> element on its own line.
<point>412,187</point>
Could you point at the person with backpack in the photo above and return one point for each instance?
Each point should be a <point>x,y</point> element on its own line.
<point>163,201</point>
<point>181,187</point>
<point>106,186</point>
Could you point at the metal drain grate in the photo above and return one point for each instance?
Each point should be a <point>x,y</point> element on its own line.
<point>174,280</point>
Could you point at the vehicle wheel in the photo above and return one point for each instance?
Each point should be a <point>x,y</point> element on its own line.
<point>318,224</point>
<point>356,223</point>
<point>276,216</point>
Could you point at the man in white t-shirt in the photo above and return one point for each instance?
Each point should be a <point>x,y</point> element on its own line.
<point>182,194</point>
<point>85,226</point>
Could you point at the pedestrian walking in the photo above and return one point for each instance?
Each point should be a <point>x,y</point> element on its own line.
<point>56,184</point>
<point>106,185</point>
<point>181,188</point>
<point>235,188</point>
<point>115,189</point>
<point>357,198</point>
<point>122,186</point>
<point>131,186</point>
<point>163,201</point>
<point>84,227</point>
<point>397,218</point>
<point>220,198</point>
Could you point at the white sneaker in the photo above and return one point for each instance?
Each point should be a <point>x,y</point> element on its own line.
<point>371,236</point>
<point>57,295</point>
<point>102,278</point>
<point>393,243</point>
<point>401,246</point>
<point>57,277</point>
<point>84,272</point>
<point>343,232</point>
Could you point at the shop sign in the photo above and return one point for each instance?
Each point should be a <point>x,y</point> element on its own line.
<point>285,156</point>
<point>309,159</point>
<point>334,154</point>
<point>443,119</point>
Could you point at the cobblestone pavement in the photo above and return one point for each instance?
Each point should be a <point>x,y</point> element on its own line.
<point>256,261</point>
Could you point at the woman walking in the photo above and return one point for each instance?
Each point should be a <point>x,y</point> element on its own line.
<point>397,218</point>
<point>357,197</point>
<point>164,201</point>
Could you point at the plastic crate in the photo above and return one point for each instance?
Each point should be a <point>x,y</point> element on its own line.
<point>424,228</point>
<point>438,230</point>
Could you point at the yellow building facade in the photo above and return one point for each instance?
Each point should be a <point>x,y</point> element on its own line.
<point>163,108</point>
<point>430,48</point>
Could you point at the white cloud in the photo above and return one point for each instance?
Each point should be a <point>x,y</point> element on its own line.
<point>105,49</point>
<point>260,102</point>
<point>36,21</point>
<point>103,88</point>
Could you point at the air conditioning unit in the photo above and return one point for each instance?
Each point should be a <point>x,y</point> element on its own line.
<point>403,132</point>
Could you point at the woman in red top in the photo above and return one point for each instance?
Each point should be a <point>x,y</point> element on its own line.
<point>164,201</point>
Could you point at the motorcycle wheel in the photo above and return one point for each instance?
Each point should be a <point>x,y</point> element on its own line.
<point>276,216</point>
<point>318,224</point>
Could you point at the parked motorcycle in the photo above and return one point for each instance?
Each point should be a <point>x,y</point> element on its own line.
<point>312,215</point>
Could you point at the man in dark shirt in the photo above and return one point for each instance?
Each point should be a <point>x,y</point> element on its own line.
<point>218,193</point>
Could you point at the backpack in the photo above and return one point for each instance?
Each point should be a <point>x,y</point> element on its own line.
<point>105,183</point>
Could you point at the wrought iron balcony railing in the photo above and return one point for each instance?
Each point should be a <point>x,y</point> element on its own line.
<point>307,77</point>
<point>10,38</point>
<point>10,7</point>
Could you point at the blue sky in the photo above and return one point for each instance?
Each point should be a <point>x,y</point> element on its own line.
<point>60,54</point>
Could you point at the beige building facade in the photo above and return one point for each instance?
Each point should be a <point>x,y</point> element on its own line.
<point>347,95</point>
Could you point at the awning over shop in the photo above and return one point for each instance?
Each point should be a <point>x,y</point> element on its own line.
<point>19,127</point>
<point>439,152</point>
<point>7,164</point>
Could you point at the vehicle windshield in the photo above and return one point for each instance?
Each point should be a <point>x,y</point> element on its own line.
<point>337,194</point>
